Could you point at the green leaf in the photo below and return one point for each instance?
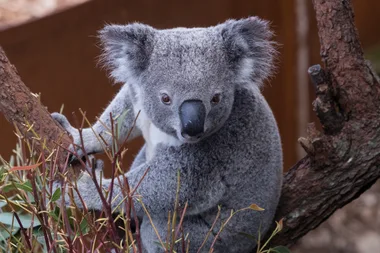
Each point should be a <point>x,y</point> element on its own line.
<point>26,220</point>
<point>56,195</point>
<point>3,172</point>
<point>31,197</point>
<point>3,203</point>
<point>54,216</point>
<point>120,120</point>
<point>159,244</point>
<point>27,186</point>
<point>84,227</point>
<point>4,233</point>
<point>280,249</point>
<point>40,238</point>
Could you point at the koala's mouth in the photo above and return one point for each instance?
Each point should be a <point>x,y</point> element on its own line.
<point>190,139</point>
<point>185,138</point>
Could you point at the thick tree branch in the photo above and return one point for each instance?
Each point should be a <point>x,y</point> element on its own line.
<point>344,160</point>
<point>19,106</point>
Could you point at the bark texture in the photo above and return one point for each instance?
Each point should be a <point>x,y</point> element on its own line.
<point>19,106</point>
<point>344,160</point>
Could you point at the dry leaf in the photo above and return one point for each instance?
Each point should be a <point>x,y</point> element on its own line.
<point>29,167</point>
<point>256,207</point>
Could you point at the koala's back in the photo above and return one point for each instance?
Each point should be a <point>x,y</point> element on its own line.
<point>248,150</point>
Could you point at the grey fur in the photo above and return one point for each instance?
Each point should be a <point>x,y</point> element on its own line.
<point>237,162</point>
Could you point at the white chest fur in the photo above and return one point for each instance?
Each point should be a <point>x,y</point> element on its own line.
<point>152,135</point>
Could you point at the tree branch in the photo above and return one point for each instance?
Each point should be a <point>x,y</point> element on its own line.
<point>344,160</point>
<point>19,106</point>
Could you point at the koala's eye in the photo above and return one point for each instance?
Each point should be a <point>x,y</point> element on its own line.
<point>165,99</point>
<point>215,99</point>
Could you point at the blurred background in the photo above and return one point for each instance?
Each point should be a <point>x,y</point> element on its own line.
<point>52,43</point>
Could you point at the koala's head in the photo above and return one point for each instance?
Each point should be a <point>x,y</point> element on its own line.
<point>185,78</point>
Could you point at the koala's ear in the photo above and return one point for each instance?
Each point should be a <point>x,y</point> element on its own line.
<point>126,49</point>
<point>249,48</point>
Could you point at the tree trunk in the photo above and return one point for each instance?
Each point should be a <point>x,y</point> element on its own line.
<point>342,162</point>
<point>23,109</point>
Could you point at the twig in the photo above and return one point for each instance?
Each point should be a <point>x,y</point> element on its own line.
<point>210,231</point>
<point>27,239</point>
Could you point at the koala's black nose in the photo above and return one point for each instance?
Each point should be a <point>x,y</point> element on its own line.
<point>192,114</point>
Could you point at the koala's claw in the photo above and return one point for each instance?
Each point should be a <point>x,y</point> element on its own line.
<point>62,120</point>
<point>76,152</point>
<point>97,163</point>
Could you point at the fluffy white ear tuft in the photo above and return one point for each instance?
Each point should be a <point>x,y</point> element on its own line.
<point>126,49</point>
<point>249,47</point>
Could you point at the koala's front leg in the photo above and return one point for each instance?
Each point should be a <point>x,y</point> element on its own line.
<point>92,143</point>
<point>85,187</point>
<point>158,185</point>
<point>201,185</point>
<point>86,192</point>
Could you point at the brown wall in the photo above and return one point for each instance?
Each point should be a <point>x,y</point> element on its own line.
<point>56,56</point>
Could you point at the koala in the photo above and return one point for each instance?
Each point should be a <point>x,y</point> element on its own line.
<point>197,95</point>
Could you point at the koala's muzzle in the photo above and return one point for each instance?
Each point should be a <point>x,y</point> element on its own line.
<point>192,114</point>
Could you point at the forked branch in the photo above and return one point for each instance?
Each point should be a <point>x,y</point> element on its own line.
<point>344,159</point>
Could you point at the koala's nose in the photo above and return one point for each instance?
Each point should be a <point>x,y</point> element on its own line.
<point>192,114</point>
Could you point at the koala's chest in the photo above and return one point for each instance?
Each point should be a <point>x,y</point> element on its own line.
<point>153,136</point>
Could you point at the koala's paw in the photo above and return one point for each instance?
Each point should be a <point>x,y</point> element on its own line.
<point>62,120</point>
<point>99,165</point>
<point>85,187</point>
<point>76,152</point>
